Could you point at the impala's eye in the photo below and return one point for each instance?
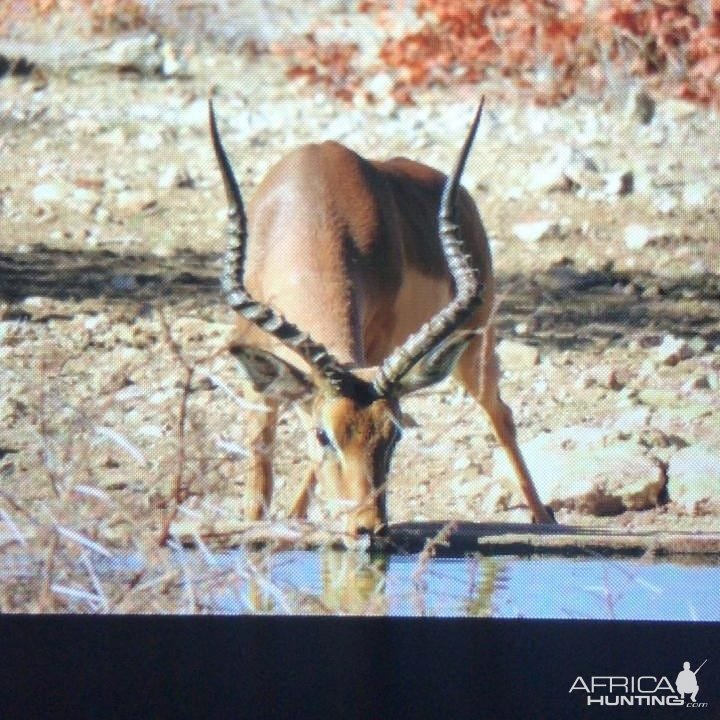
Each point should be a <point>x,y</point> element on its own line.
<point>322,437</point>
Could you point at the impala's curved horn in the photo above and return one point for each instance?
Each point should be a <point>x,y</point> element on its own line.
<point>468,288</point>
<point>262,314</point>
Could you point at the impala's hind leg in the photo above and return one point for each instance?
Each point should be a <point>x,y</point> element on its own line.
<point>479,372</point>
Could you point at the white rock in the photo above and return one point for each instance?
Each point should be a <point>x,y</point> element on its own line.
<point>6,205</point>
<point>41,144</point>
<point>141,53</point>
<point>587,469</point>
<point>386,109</point>
<point>565,169</point>
<point>171,64</point>
<point>695,193</point>
<point>694,476</point>
<point>619,183</point>
<point>113,137</point>
<point>47,192</point>
<point>380,84</point>
<point>634,420</point>
<point>149,140</point>
<point>673,350</point>
<point>540,387</point>
<point>585,380</point>
<point>84,200</point>
<point>113,183</point>
<point>532,232</point>
<point>341,126</point>
<point>102,214</point>
<point>642,181</point>
<point>195,114</point>
<point>461,463</point>
<point>526,327</point>
<point>97,323</point>
<point>637,236</point>
<point>168,177</point>
<point>162,250</point>
<point>515,355</point>
<point>545,176</point>
<point>133,200</point>
<point>664,201</point>
<point>678,109</point>
<point>654,134</point>
<point>38,305</point>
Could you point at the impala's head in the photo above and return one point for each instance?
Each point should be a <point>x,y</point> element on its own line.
<point>356,411</point>
<point>357,422</point>
<point>357,440</point>
<point>356,430</point>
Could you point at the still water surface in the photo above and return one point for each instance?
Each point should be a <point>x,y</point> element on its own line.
<point>507,587</point>
<point>356,583</point>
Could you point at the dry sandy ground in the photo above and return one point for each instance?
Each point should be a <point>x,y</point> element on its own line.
<point>111,217</point>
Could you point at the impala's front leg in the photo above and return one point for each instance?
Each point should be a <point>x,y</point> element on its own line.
<point>300,503</point>
<point>299,506</point>
<point>324,471</point>
<point>259,483</point>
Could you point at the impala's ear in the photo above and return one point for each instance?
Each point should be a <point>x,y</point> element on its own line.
<point>438,363</point>
<point>272,376</point>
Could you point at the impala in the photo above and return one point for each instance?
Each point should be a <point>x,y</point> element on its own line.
<point>355,282</point>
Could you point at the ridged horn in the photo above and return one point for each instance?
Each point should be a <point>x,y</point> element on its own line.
<point>468,288</point>
<point>259,313</point>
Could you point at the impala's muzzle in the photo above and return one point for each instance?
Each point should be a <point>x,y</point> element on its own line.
<point>370,518</point>
<point>360,506</point>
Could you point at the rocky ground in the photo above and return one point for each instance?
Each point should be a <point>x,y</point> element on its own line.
<point>114,387</point>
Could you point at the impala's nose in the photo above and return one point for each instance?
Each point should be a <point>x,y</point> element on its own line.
<point>379,530</point>
<point>367,522</point>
